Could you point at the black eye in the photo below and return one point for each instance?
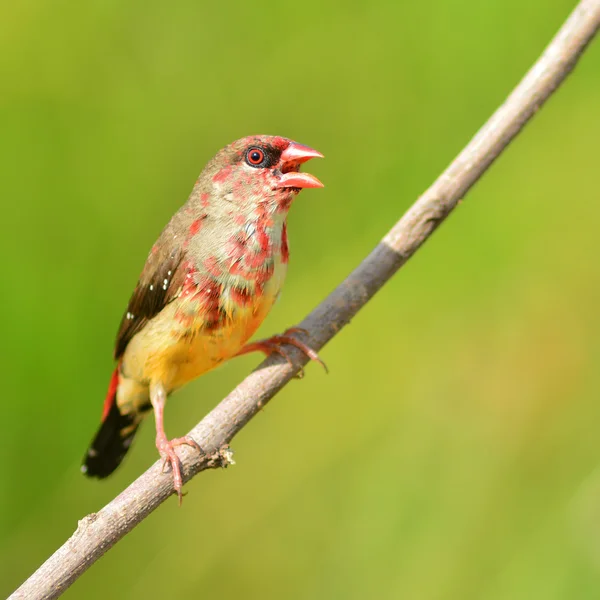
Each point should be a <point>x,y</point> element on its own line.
<point>256,157</point>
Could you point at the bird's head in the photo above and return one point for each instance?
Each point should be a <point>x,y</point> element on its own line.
<point>261,171</point>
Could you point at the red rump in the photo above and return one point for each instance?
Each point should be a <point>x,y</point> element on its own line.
<point>111,395</point>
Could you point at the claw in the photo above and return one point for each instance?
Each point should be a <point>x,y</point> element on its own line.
<point>296,330</point>
<point>166,449</point>
<point>273,344</point>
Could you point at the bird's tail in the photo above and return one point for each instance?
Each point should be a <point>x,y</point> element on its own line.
<point>113,438</point>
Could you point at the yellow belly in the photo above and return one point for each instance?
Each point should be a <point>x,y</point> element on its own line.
<point>195,354</point>
<point>174,352</point>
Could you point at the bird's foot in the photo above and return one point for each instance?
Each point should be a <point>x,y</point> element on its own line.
<point>275,344</point>
<point>166,449</point>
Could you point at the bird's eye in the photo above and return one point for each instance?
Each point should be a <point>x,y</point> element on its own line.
<point>255,157</point>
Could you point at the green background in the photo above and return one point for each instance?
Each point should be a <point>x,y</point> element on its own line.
<point>453,451</point>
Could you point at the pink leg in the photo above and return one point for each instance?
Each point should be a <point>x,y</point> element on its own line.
<point>275,343</point>
<point>166,448</point>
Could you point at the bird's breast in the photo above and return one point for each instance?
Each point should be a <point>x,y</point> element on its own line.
<point>224,299</point>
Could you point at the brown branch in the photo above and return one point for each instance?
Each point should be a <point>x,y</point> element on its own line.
<point>98,532</point>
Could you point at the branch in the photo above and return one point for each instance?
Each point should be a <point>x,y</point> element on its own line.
<point>99,531</point>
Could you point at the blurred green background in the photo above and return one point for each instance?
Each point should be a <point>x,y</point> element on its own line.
<point>453,451</point>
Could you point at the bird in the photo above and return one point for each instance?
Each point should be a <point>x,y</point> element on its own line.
<point>208,283</point>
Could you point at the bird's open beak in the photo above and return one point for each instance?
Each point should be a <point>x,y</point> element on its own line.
<point>291,159</point>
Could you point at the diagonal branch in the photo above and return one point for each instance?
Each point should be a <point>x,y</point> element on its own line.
<point>98,532</point>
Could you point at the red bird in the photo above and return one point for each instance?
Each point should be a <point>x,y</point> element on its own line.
<point>208,283</point>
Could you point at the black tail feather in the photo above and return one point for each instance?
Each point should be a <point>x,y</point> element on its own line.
<point>111,443</point>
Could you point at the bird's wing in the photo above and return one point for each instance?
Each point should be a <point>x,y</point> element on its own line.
<point>161,282</point>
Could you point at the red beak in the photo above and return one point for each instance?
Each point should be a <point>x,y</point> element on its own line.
<point>291,158</point>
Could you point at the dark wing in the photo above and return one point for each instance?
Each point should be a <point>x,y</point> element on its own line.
<point>160,283</point>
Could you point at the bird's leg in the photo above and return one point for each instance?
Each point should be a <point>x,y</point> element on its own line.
<point>275,343</point>
<point>166,448</point>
